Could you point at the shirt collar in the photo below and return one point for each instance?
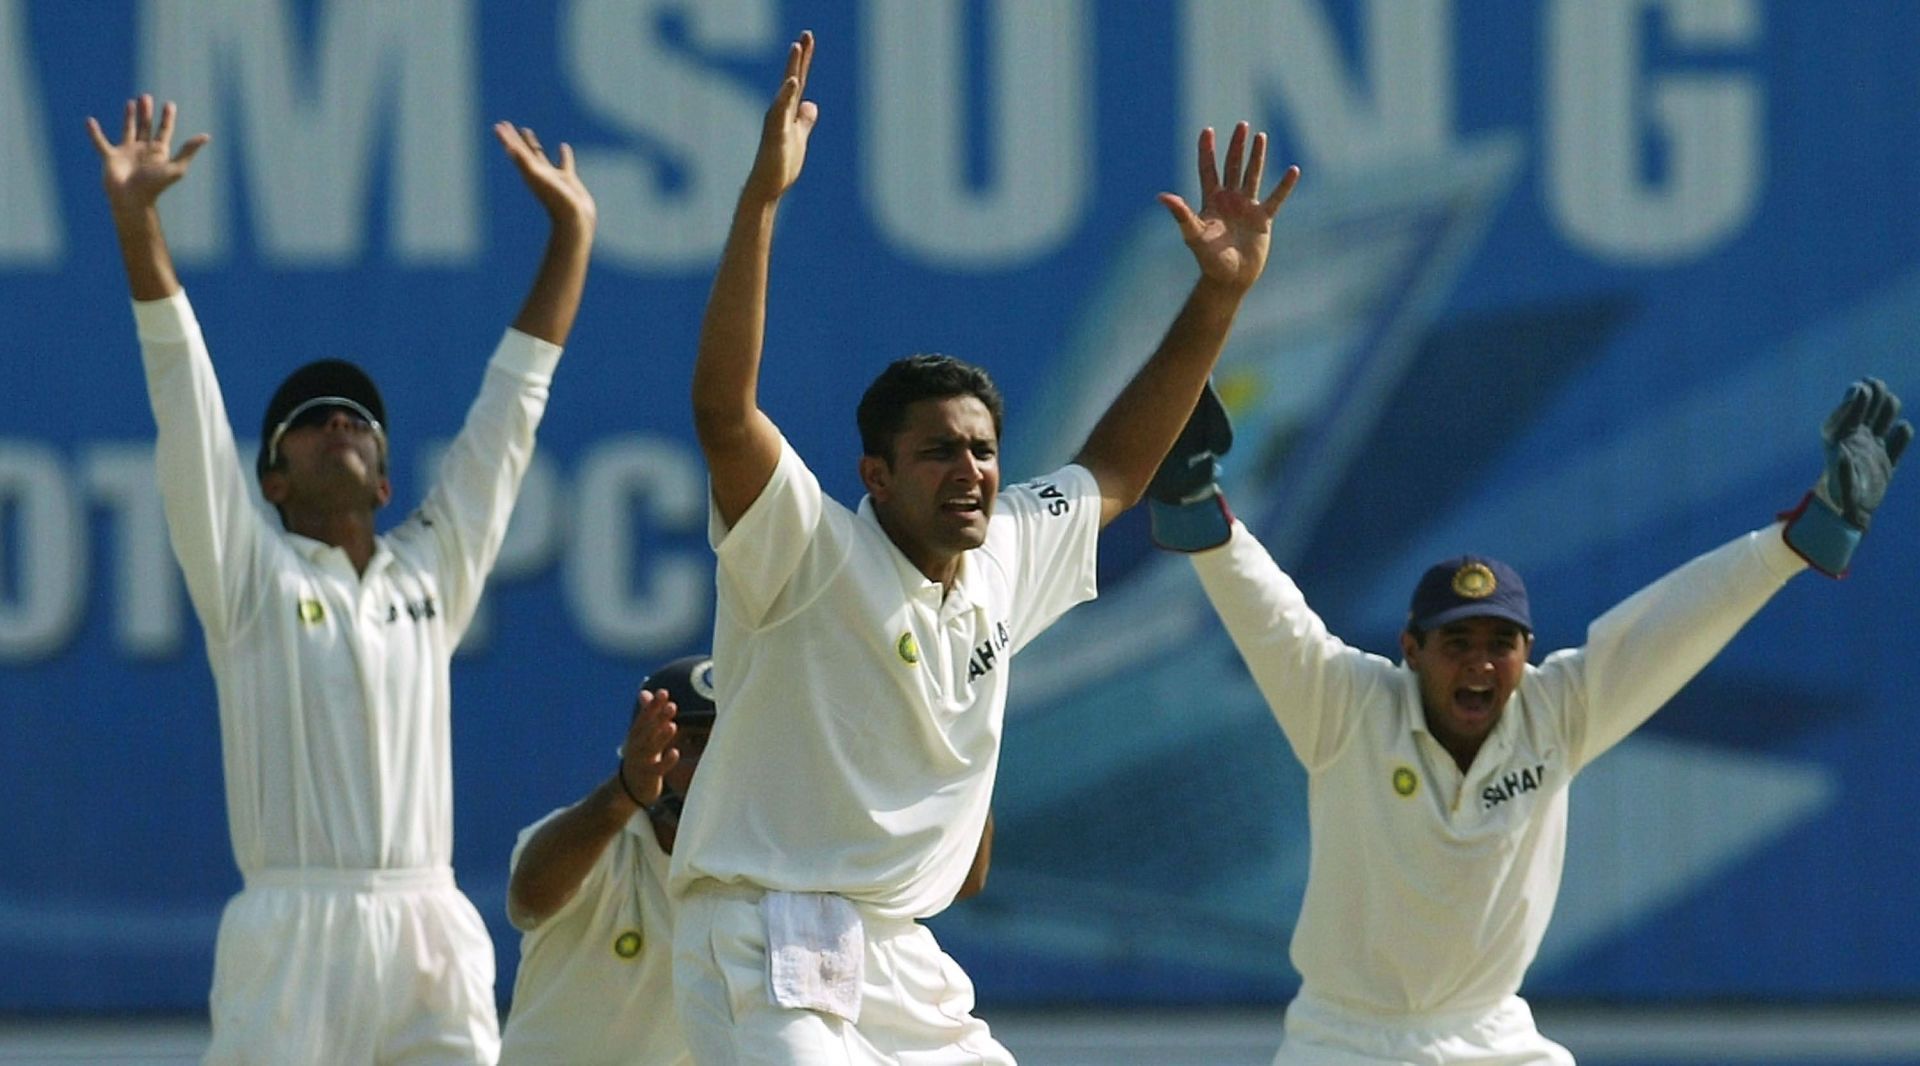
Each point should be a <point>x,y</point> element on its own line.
<point>911,579</point>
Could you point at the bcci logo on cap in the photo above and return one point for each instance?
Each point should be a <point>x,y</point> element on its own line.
<point>1474,581</point>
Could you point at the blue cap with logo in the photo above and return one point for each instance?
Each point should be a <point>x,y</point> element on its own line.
<point>689,684</point>
<point>1468,586</point>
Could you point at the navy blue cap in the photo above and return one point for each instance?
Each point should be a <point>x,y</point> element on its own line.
<point>1468,586</point>
<point>689,684</point>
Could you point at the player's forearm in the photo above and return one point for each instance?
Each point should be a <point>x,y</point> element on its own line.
<point>1133,436</point>
<point>554,300</point>
<point>726,370</point>
<point>143,250</point>
<point>559,857</point>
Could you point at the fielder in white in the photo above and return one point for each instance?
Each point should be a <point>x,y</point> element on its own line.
<point>588,888</point>
<point>330,646</point>
<point>862,657</point>
<point>1437,797</point>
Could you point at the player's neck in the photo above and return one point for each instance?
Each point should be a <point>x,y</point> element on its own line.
<point>350,531</point>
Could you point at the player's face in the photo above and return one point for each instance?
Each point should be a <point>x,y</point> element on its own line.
<point>1468,670</point>
<point>936,492</point>
<point>333,459</point>
<point>692,742</point>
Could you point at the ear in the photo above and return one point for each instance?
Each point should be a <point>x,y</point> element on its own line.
<point>273,486</point>
<point>877,476</point>
<point>1409,648</point>
<point>382,493</point>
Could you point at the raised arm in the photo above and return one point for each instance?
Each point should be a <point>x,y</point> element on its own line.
<point>1229,239</point>
<point>135,172</point>
<point>741,443</point>
<point>554,299</point>
<point>563,851</point>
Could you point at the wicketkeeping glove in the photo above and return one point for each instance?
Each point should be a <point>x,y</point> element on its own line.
<point>1864,438</point>
<point>1185,509</point>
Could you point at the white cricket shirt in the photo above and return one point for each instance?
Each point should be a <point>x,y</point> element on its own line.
<point>333,686</point>
<point>862,708</point>
<point>596,978</point>
<point>1428,889</point>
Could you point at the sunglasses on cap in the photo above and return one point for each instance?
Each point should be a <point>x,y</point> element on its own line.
<point>318,412</point>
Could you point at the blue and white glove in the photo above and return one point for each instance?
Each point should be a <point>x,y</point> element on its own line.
<point>1864,438</point>
<point>1186,511</point>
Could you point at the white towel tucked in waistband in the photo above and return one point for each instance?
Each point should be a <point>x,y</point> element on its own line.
<point>816,952</point>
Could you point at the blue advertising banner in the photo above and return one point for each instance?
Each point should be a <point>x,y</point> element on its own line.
<point>1570,282</point>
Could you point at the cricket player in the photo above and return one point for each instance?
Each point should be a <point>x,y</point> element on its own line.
<point>862,656</point>
<point>1437,797</point>
<point>330,646</point>
<point>588,889</point>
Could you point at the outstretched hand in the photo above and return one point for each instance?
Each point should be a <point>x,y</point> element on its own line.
<point>1230,234</point>
<point>139,168</point>
<point>790,121</point>
<point>648,752</point>
<point>556,185</point>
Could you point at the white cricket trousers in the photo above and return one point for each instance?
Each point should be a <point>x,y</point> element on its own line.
<point>337,967</point>
<point>916,1003</point>
<point>1321,1034</point>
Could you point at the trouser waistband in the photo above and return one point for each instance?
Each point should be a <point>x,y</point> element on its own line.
<point>400,880</point>
<point>877,925</point>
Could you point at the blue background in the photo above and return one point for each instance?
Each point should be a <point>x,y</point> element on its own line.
<point>1450,351</point>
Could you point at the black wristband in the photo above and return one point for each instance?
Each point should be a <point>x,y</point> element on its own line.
<point>620,774</point>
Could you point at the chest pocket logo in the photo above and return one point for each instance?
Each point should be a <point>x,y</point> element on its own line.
<point>908,648</point>
<point>312,612</point>
<point>627,944</point>
<point>1405,781</point>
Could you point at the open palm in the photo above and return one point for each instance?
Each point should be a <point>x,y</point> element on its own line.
<point>556,184</point>
<point>136,170</point>
<point>1230,235</point>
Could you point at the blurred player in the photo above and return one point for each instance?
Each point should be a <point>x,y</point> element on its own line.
<point>589,891</point>
<point>330,644</point>
<point>1437,799</point>
<point>862,657</point>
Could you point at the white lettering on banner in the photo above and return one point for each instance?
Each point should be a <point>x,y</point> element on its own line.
<point>30,233</point>
<point>1644,160</point>
<point>667,202</point>
<point>43,551</point>
<point>1035,138</point>
<point>1706,133</point>
<point>616,610</point>
<point>628,594</point>
<point>1244,59</point>
<point>307,124</point>
<point>147,589</point>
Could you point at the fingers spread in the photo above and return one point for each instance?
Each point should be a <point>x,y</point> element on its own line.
<point>100,142</point>
<point>1281,191</point>
<point>166,123</point>
<point>1256,167</point>
<point>193,145</point>
<point>1236,155</point>
<point>1209,173</point>
<point>126,133</point>
<point>1183,215</point>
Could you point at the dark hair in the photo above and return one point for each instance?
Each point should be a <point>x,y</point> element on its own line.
<point>883,410</point>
